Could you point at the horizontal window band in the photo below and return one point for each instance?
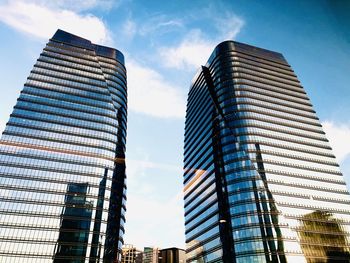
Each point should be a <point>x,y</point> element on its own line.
<point>209,195</point>
<point>55,140</point>
<point>64,62</point>
<point>199,152</point>
<point>195,94</point>
<point>203,220</point>
<point>261,57</point>
<point>239,77</point>
<point>295,196</point>
<point>231,55</point>
<point>63,50</point>
<point>203,231</point>
<point>44,148</point>
<point>279,137</point>
<point>76,101</point>
<point>284,155</point>
<point>50,229</point>
<point>249,68</point>
<point>281,146</point>
<point>88,119</point>
<point>50,203</point>
<point>48,191</point>
<point>200,201</point>
<point>63,123</point>
<point>200,110</point>
<point>281,183</point>
<point>200,243</point>
<point>61,80</point>
<point>190,172</point>
<point>50,180</point>
<point>237,87</point>
<point>248,121</point>
<point>313,208</point>
<point>199,212</point>
<point>40,66</point>
<point>48,215</point>
<point>197,136</point>
<point>66,85</point>
<point>197,87</point>
<point>301,167</point>
<point>67,107</point>
<point>59,131</point>
<point>279,173</point>
<point>72,116</point>
<point>257,97</point>
<point>278,109</point>
<point>314,197</point>
<point>56,159</point>
<point>290,216</point>
<point>194,180</point>
<point>309,187</point>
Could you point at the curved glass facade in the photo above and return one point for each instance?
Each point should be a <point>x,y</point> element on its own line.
<point>62,156</point>
<point>261,183</point>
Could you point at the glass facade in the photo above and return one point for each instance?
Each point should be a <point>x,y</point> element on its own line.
<point>62,158</point>
<point>261,183</point>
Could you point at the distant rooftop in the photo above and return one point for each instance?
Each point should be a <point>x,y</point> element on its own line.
<point>71,39</point>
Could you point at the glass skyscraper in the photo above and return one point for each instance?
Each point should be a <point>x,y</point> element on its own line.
<point>62,158</point>
<point>261,183</point>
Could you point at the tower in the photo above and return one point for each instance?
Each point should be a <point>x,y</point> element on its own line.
<point>62,156</point>
<point>261,183</point>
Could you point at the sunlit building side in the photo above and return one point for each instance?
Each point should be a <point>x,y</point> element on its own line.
<point>62,158</point>
<point>261,183</point>
<point>131,254</point>
<point>150,255</point>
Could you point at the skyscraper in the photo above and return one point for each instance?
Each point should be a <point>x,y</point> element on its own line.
<point>261,183</point>
<point>62,156</point>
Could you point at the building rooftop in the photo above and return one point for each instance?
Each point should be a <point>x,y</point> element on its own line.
<point>71,39</point>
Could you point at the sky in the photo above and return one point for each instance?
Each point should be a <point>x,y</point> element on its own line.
<point>164,43</point>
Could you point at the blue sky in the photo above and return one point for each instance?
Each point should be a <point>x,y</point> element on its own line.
<point>164,44</point>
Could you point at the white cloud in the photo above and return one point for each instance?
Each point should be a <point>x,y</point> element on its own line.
<point>80,5</point>
<point>192,52</point>
<point>339,138</point>
<point>157,222</point>
<point>195,49</point>
<point>151,94</point>
<point>41,21</point>
<point>149,213</point>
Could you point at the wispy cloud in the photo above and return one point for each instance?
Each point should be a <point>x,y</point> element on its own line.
<point>150,28</point>
<point>195,48</point>
<point>41,21</point>
<point>129,29</point>
<point>339,138</point>
<point>77,5</point>
<point>151,94</point>
<point>228,25</point>
<point>160,24</point>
